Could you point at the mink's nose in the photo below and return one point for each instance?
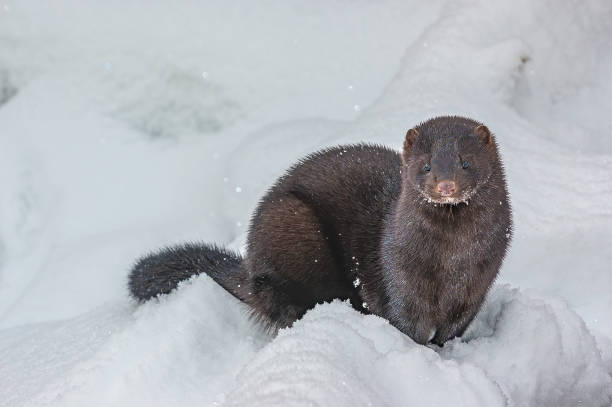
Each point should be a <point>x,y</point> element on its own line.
<point>446,188</point>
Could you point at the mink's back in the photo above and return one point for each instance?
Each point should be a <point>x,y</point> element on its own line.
<point>349,190</point>
<point>348,183</point>
<point>350,186</point>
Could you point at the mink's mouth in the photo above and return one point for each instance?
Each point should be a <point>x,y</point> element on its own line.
<point>453,200</point>
<point>448,200</point>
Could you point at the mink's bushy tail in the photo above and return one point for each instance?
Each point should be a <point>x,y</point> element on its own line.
<point>161,272</point>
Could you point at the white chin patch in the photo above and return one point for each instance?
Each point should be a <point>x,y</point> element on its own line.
<point>449,200</point>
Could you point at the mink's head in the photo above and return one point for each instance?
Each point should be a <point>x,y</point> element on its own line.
<point>447,160</point>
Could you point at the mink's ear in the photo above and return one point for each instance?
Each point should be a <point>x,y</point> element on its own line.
<point>483,134</point>
<point>411,137</point>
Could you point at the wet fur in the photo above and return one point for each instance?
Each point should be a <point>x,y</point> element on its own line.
<point>361,223</point>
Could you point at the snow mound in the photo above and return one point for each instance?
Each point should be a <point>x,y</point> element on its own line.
<point>182,349</point>
<point>198,347</point>
<point>537,350</point>
<point>521,351</point>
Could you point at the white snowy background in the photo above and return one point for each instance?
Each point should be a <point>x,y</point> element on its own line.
<point>129,125</point>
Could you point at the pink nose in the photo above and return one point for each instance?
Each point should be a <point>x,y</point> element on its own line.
<point>446,188</point>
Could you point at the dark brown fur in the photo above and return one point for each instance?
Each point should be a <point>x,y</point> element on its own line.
<point>367,224</point>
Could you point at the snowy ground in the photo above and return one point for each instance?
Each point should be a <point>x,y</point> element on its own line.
<point>129,125</point>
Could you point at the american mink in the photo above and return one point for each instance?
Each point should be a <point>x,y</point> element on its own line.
<point>416,238</point>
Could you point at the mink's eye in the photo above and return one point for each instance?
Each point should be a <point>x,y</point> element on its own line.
<point>464,165</point>
<point>427,168</point>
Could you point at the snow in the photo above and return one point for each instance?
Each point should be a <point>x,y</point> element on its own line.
<point>129,125</point>
<point>500,363</point>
